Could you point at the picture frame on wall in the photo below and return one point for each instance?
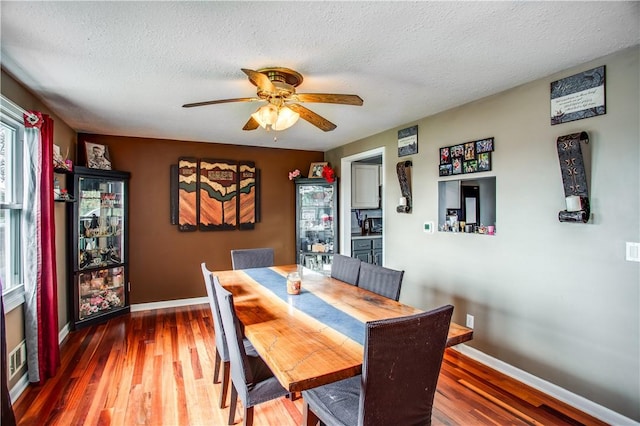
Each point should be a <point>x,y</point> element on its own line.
<point>408,141</point>
<point>315,170</point>
<point>578,96</point>
<point>467,157</point>
<point>97,156</point>
<point>484,161</point>
<point>445,155</point>
<point>456,164</point>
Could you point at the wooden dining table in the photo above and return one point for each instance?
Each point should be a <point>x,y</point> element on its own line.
<point>316,337</point>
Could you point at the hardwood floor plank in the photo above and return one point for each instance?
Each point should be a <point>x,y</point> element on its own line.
<point>156,368</point>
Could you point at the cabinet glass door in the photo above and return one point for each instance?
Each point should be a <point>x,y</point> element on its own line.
<point>100,246</point>
<point>317,223</point>
<point>100,224</point>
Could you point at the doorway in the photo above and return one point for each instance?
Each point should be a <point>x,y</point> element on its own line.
<point>345,197</point>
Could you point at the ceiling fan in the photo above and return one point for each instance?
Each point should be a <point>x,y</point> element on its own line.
<point>277,86</point>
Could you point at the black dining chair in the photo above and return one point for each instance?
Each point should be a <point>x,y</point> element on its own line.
<point>345,268</point>
<point>378,279</point>
<point>251,379</point>
<point>222,352</point>
<point>252,258</point>
<point>402,360</point>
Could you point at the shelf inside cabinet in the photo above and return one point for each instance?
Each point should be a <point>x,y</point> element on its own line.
<point>62,171</point>
<point>64,200</point>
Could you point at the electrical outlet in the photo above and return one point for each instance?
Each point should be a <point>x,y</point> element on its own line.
<point>470,321</point>
<point>633,252</point>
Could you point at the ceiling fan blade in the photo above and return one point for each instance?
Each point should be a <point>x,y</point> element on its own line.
<point>313,118</point>
<point>252,124</point>
<point>220,101</point>
<point>330,98</point>
<point>259,79</point>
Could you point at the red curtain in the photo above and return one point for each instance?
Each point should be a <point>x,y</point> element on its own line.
<point>49,357</point>
<point>45,326</point>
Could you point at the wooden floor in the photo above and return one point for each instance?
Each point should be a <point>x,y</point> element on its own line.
<point>156,368</point>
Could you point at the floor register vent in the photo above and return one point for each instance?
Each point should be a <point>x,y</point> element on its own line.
<point>17,359</point>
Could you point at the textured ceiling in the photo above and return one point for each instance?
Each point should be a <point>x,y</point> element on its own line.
<point>127,68</point>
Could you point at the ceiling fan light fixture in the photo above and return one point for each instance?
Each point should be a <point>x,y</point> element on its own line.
<point>266,116</point>
<point>286,118</point>
<point>271,117</point>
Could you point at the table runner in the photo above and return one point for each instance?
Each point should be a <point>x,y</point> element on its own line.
<point>310,304</point>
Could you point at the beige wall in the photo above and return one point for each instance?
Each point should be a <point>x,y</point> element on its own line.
<point>557,300</point>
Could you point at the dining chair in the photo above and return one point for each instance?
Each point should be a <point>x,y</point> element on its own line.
<point>402,360</point>
<point>345,268</point>
<point>251,379</point>
<point>378,279</point>
<point>222,352</point>
<point>252,258</point>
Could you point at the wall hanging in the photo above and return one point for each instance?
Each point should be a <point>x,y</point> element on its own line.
<point>578,96</point>
<point>187,199</point>
<point>403,168</point>
<point>214,195</point>
<point>574,178</point>
<point>468,157</point>
<point>408,141</point>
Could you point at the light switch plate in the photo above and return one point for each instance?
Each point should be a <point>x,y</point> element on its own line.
<point>633,252</point>
<point>428,227</point>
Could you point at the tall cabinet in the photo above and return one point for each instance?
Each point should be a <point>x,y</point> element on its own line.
<point>316,223</point>
<point>98,246</point>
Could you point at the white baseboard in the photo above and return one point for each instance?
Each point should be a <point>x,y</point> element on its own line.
<point>168,304</point>
<point>561,394</point>
<point>63,333</point>
<point>19,387</point>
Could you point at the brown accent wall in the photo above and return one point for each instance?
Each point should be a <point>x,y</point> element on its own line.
<point>164,262</point>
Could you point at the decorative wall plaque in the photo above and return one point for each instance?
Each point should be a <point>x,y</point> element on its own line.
<point>214,195</point>
<point>218,191</point>
<point>579,96</point>
<point>408,141</point>
<point>187,194</point>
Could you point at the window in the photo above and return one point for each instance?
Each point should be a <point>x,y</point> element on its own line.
<point>11,178</point>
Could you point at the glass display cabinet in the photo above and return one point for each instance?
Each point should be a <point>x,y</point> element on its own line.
<point>316,223</point>
<point>98,258</point>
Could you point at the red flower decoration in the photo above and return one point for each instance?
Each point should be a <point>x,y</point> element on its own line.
<point>328,174</point>
<point>33,119</point>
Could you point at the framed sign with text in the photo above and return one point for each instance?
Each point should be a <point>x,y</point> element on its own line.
<point>579,96</point>
<point>408,141</point>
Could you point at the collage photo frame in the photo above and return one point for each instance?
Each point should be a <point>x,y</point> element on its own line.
<point>467,157</point>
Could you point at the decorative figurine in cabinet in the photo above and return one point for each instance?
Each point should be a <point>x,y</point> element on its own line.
<point>316,222</point>
<point>98,257</point>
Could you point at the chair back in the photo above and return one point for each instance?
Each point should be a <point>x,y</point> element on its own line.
<point>252,258</point>
<point>221,343</point>
<point>241,374</point>
<point>378,279</point>
<point>345,268</point>
<point>402,359</point>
